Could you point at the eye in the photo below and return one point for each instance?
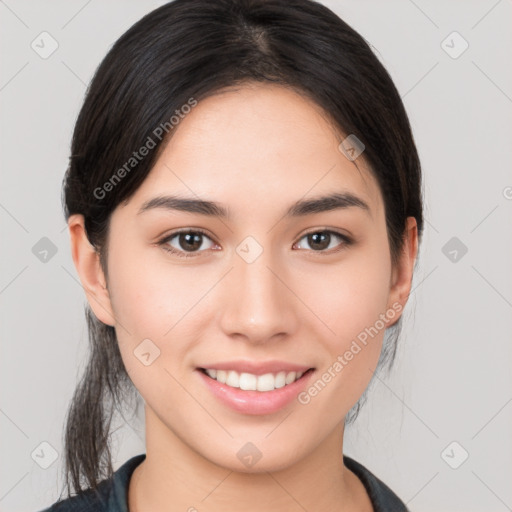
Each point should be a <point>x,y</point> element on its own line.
<point>185,243</point>
<point>322,239</point>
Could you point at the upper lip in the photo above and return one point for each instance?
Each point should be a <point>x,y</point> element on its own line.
<point>257,367</point>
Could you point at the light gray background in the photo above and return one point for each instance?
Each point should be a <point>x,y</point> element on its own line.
<point>452,380</point>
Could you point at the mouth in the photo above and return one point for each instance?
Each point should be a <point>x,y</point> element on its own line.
<point>252,382</point>
<point>255,394</point>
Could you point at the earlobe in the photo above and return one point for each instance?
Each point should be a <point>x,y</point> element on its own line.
<point>403,272</point>
<point>87,264</point>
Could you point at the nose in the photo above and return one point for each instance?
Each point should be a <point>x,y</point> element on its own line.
<point>258,304</point>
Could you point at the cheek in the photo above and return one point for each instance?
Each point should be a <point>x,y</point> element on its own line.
<point>160,303</point>
<point>349,297</point>
<point>151,294</point>
<point>156,301</point>
<point>352,310</point>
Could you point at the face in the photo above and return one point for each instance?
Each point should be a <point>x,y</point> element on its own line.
<point>262,289</point>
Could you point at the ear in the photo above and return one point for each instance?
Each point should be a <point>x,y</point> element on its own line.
<point>401,276</point>
<point>87,264</point>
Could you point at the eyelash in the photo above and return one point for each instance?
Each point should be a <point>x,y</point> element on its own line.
<point>347,241</point>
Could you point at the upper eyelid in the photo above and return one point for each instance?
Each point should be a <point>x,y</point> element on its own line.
<point>169,237</point>
<point>346,239</point>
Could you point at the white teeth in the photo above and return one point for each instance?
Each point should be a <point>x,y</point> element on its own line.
<point>290,377</point>
<point>212,373</point>
<point>266,382</point>
<point>221,376</point>
<point>233,379</point>
<point>246,381</point>
<point>250,382</point>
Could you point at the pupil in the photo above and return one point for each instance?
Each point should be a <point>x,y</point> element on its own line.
<point>315,240</point>
<point>193,240</point>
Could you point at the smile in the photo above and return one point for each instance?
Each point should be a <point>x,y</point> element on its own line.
<point>251,382</point>
<point>248,393</point>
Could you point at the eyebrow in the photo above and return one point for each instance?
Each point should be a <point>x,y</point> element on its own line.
<point>300,208</point>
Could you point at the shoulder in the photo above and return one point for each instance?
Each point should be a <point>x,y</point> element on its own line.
<point>382,497</point>
<point>85,501</point>
<point>111,495</point>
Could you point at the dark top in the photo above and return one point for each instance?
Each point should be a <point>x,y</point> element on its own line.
<point>112,494</point>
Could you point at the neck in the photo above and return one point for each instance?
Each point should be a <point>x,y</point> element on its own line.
<point>176,477</point>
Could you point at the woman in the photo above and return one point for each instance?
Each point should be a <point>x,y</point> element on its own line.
<point>244,206</point>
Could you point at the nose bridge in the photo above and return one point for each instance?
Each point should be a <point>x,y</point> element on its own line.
<point>258,305</point>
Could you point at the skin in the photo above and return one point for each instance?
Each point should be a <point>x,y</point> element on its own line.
<point>256,150</point>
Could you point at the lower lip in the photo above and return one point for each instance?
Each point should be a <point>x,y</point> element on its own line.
<point>256,402</point>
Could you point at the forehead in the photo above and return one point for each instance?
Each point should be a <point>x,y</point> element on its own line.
<point>253,146</point>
